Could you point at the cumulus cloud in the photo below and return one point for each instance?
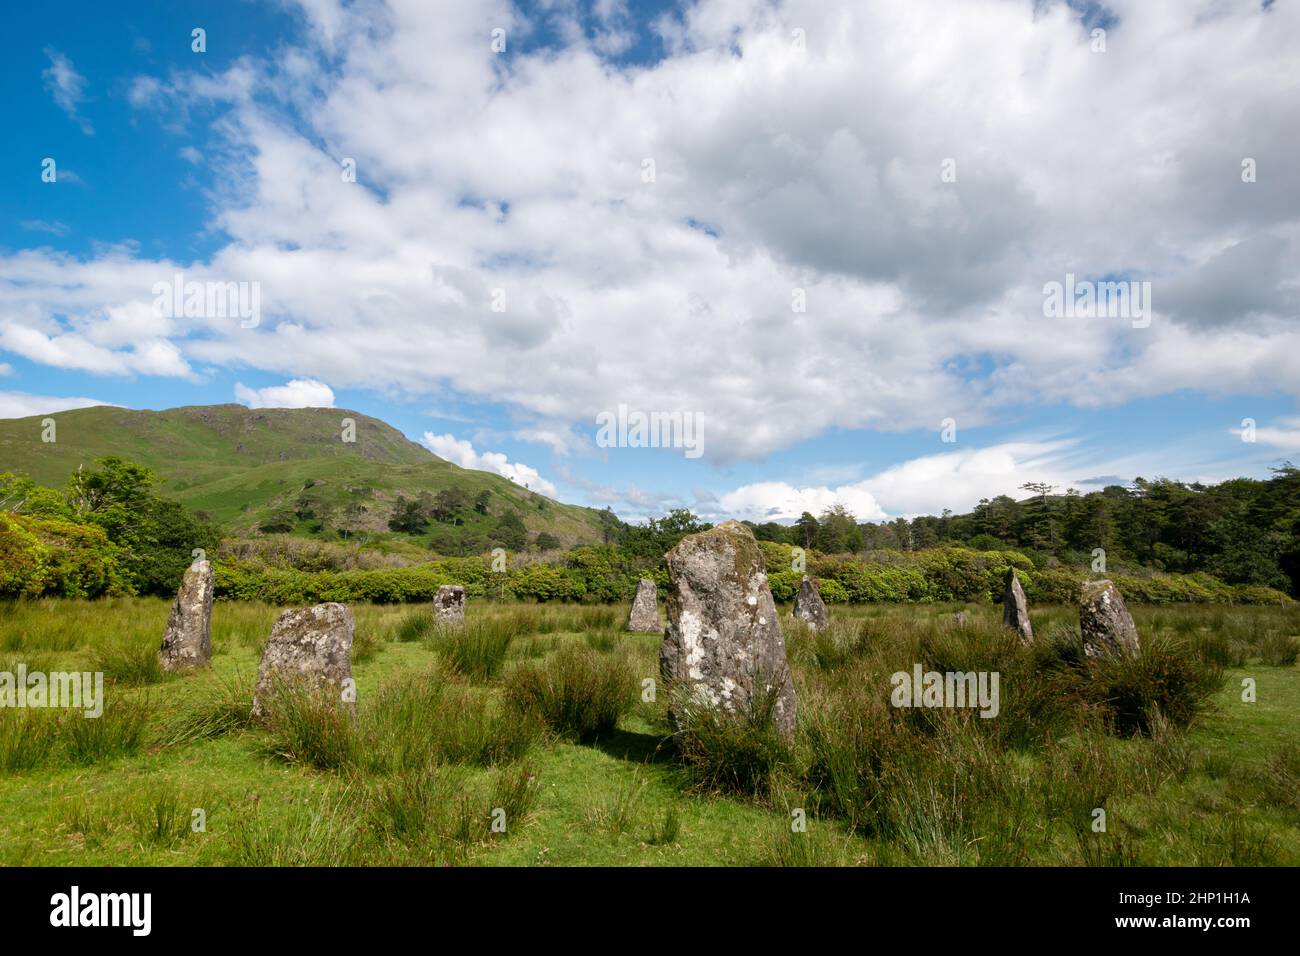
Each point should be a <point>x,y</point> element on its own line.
<point>67,87</point>
<point>516,253</point>
<point>462,453</point>
<point>22,405</point>
<point>299,393</point>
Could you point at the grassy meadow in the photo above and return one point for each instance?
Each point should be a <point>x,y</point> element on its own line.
<point>524,739</point>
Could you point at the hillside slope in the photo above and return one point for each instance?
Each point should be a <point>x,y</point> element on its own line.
<point>241,465</point>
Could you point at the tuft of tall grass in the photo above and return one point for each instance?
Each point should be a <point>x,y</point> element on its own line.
<point>28,738</point>
<point>668,831</point>
<point>620,811</point>
<point>304,832</point>
<point>441,813</point>
<point>1165,679</point>
<point>414,626</point>
<point>577,692</point>
<point>478,648</point>
<point>213,707</point>
<point>814,847</point>
<point>741,753</point>
<point>131,662</point>
<point>159,816</point>
<point>120,731</point>
<point>420,719</point>
<point>1279,650</point>
<point>308,726</point>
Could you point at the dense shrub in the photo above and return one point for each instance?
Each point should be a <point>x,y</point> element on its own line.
<point>40,556</point>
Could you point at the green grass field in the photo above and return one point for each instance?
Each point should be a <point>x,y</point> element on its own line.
<point>588,775</point>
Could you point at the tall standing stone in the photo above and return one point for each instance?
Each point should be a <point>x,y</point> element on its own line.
<point>449,605</point>
<point>1105,622</point>
<point>723,645</point>
<point>312,646</point>
<point>809,606</point>
<point>1015,609</point>
<point>187,642</point>
<point>644,618</point>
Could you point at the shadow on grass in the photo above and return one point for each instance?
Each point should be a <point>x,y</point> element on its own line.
<point>641,748</point>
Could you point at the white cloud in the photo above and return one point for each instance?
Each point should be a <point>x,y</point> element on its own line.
<point>1284,434</point>
<point>924,485</point>
<point>816,170</point>
<point>299,393</point>
<point>778,501</point>
<point>462,453</point>
<point>23,405</point>
<point>67,87</point>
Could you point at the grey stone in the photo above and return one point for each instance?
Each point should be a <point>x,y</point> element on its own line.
<point>723,646</point>
<point>187,642</point>
<point>809,606</point>
<point>961,619</point>
<point>1105,622</point>
<point>644,618</point>
<point>1015,609</point>
<point>311,645</point>
<point>449,605</point>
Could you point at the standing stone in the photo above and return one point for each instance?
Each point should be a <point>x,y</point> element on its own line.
<point>960,619</point>
<point>449,605</point>
<point>312,645</point>
<point>187,642</point>
<point>1015,609</point>
<point>1105,622</point>
<point>644,618</point>
<point>809,606</point>
<point>723,644</point>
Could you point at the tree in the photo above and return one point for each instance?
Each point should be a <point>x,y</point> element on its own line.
<point>806,529</point>
<point>408,516</point>
<point>837,531</point>
<point>157,536</point>
<point>481,501</point>
<point>448,504</point>
<point>279,521</point>
<point>547,542</point>
<point>510,531</point>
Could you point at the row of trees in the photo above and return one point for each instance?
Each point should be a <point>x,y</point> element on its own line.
<point>1243,531</point>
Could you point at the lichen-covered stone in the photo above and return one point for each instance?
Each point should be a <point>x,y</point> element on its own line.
<point>723,646</point>
<point>449,605</point>
<point>809,606</point>
<point>187,642</point>
<point>310,645</point>
<point>644,618</point>
<point>1105,622</point>
<point>1015,608</point>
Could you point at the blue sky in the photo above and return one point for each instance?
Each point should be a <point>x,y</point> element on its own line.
<point>797,150</point>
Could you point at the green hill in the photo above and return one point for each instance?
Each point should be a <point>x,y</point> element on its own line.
<point>243,466</point>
